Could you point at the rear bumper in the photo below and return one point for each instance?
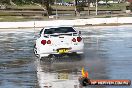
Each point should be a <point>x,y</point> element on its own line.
<point>46,51</point>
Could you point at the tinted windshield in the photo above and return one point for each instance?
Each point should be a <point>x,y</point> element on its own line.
<point>59,30</point>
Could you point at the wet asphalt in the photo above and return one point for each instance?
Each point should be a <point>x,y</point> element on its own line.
<point>107,55</point>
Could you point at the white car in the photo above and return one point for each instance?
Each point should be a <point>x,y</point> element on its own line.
<point>58,41</point>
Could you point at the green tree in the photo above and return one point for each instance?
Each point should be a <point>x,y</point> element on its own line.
<point>5,1</point>
<point>21,2</point>
<point>79,6</point>
<point>46,4</point>
<point>88,5</point>
<point>82,3</point>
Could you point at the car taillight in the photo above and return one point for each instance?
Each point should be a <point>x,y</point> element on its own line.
<point>49,42</point>
<point>43,42</point>
<point>79,39</point>
<point>74,40</point>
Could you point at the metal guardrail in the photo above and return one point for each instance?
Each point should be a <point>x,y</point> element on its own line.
<point>41,12</point>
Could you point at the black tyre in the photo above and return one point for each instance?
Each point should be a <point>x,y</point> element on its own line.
<point>85,81</point>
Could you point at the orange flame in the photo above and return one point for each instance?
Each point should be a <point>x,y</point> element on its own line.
<point>84,74</point>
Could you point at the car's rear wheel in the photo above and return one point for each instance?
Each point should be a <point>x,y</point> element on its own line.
<point>35,51</point>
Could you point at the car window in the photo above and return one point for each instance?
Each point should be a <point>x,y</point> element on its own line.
<point>59,30</point>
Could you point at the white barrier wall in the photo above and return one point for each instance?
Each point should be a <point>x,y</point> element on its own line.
<point>92,21</point>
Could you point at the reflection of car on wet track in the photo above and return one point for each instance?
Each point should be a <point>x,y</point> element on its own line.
<point>56,75</point>
<point>58,40</point>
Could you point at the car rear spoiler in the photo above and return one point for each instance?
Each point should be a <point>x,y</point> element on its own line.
<point>59,34</point>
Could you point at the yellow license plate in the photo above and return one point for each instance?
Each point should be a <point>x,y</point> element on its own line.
<point>61,51</point>
<point>63,76</point>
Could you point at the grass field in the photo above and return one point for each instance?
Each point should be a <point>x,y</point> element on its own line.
<point>68,0</point>
<point>16,16</point>
<point>111,7</point>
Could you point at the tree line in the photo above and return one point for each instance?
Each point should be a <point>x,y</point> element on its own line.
<point>79,4</point>
<point>47,3</point>
<point>21,2</point>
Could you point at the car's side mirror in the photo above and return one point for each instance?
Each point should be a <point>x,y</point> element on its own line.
<point>39,35</point>
<point>36,36</point>
<point>79,32</point>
